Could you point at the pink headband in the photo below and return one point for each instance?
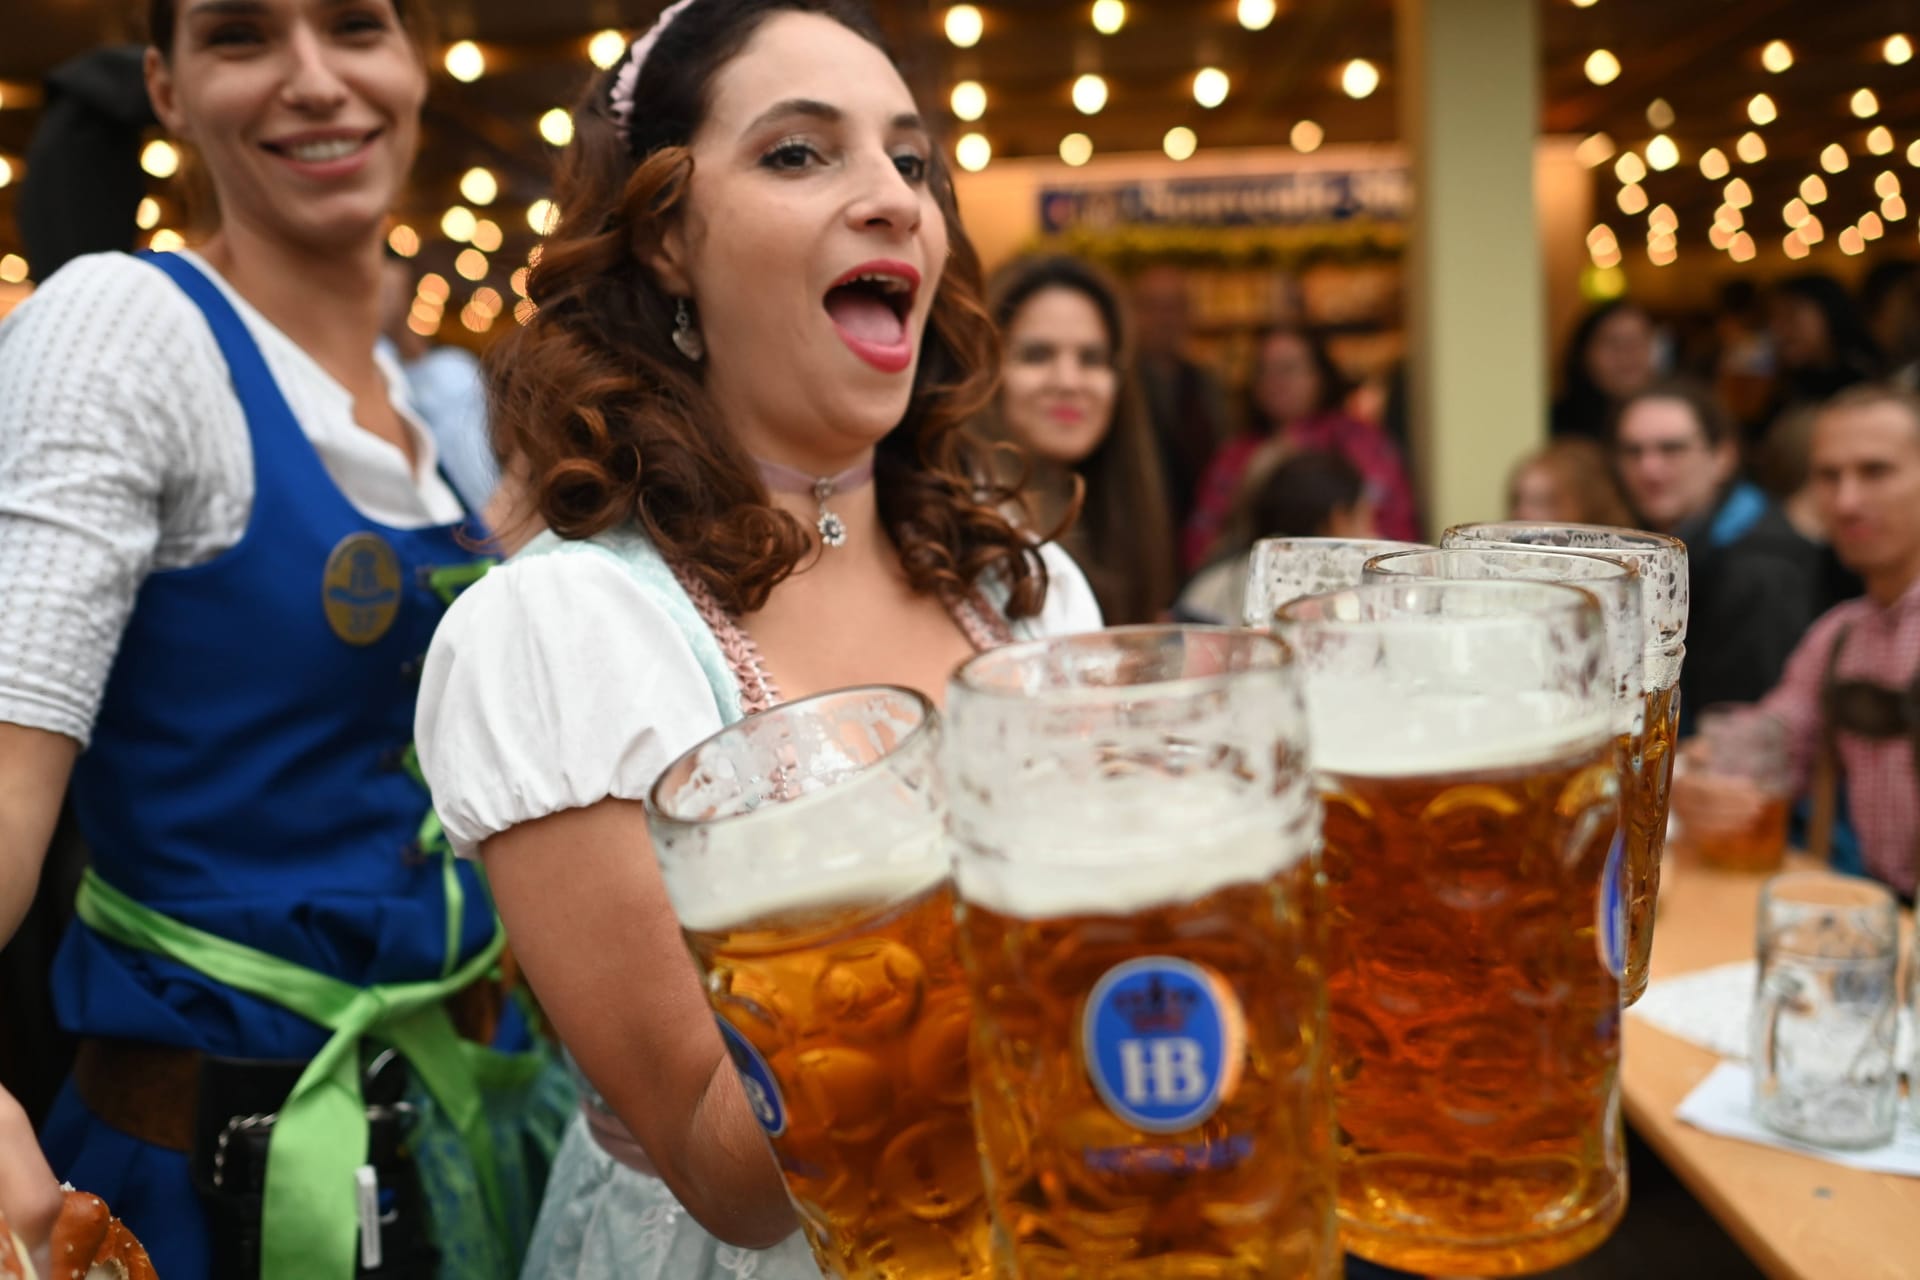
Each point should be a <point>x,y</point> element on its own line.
<point>627,82</point>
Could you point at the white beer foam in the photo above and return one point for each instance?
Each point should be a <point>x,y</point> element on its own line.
<point>1140,848</point>
<point>1362,730</point>
<point>742,894</point>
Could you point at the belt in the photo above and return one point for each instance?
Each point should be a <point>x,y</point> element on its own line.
<point>146,1091</point>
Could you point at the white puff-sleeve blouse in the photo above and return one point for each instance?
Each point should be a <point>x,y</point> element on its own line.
<point>561,679</point>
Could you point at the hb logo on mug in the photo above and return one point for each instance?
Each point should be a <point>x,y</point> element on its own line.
<point>1164,1041</point>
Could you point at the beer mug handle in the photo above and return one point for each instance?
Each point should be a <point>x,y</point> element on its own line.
<point>1777,991</point>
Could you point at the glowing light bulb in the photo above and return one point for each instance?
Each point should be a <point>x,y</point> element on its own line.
<point>1630,168</point>
<point>606,48</point>
<point>542,215</point>
<point>403,240</point>
<point>13,268</point>
<point>1602,67</point>
<point>1898,50</point>
<point>1594,150</point>
<point>1714,165</point>
<point>1777,56</point>
<point>974,152</point>
<point>1742,249</point>
<point>965,26</point>
<point>1076,149</point>
<point>1257,15</point>
<point>147,216</point>
<point>160,158</point>
<point>1662,153</point>
<point>1833,158</point>
<point>471,264</point>
<point>479,186</point>
<point>1752,148</point>
<point>1109,16</point>
<point>458,223</point>
<point>1306,136</point>
<point>1738,193</point>
<point>556,126</point>
<point>1864,104</point>
<point>1760,109</point>
<point>1089,95</point>
<point>1880,140</point>
<point>1180,143</point>
<point>969,100</point>
<point>1359,78</point>
<point>465,62</point>
<point>1210,87</point>
<point>1813,188</point>
<point>1632,198</point>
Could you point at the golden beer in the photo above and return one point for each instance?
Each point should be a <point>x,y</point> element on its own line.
<point>1666,600</point>
<point>1648,776</point>
<point>1759,845</point>
<point>858,1014</point>
<point>1142,922</point>
<point>1476,1035</point>
<point>1081,1192</point>
<point>1465,742</point>
<point>805,851</point>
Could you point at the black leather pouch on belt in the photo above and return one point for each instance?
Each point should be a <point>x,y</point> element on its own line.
<point>234,1114</point>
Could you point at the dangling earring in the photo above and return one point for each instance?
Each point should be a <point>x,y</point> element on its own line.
<point>685,336</point>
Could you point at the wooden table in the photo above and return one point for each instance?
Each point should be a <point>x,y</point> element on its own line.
<point>1798,1218</point>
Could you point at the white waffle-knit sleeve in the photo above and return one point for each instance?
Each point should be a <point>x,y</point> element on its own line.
<point>553,683</point>
<point>92,411</point>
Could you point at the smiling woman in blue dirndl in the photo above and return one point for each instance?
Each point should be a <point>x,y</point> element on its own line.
<point>224,547</point>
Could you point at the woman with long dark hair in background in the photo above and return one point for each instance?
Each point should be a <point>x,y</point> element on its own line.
<point>1069,399</point>
<point>1611,355</point>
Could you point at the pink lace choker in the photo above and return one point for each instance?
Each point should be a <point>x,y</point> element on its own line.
<point>784,479</point>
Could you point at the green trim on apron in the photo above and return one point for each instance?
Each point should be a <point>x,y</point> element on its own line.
<point>309,1220</point>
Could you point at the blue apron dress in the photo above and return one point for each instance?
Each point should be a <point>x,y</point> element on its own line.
<point>251,776</point>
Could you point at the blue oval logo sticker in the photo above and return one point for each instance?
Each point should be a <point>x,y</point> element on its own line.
<point>756,1077</point>
<point>1611,927</point>
<point>1164,1041</point>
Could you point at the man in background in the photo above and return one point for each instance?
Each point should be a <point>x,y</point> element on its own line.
<point>1754,576</point>
<point>1848,698</point>
<point>1185,401</point>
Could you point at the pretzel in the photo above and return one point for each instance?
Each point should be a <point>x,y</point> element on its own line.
<point>88,1243</point>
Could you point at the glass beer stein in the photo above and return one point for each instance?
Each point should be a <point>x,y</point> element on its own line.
<point>805,852</point>
<point>1283,569</point>
<point>1464,745</point>
<point>1142,930</point>
<point>1664,599</point>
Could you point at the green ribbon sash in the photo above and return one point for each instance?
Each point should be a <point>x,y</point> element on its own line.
<point>309,1221</point>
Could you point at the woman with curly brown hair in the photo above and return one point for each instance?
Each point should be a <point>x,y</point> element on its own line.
<point>738,411</point>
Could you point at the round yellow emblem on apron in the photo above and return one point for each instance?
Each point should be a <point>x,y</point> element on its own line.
<point>361,588</point>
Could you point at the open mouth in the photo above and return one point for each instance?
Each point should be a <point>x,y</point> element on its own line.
<point>870,306</point>
<point>321,150</point>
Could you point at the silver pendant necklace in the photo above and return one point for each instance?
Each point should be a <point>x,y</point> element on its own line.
<point>784,479</point>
